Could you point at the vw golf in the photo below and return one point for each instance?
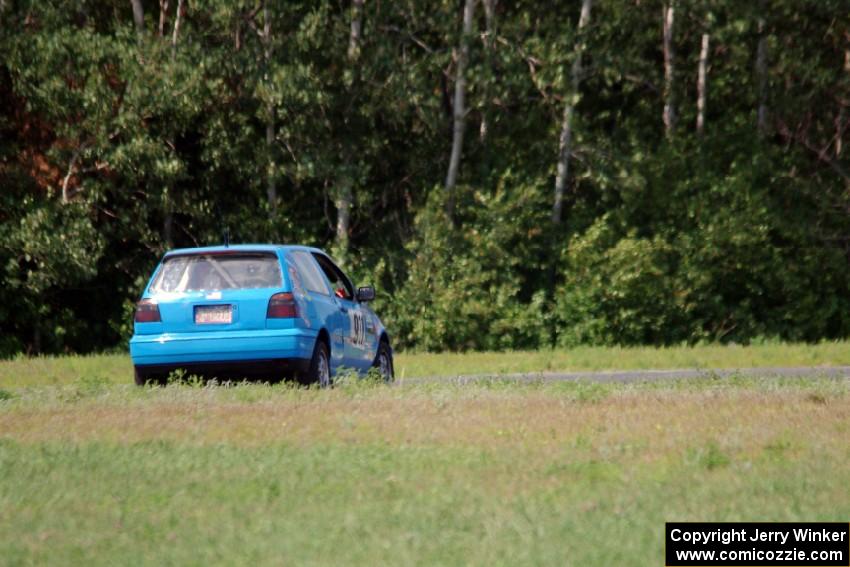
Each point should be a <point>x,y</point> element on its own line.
<point>255,311</point>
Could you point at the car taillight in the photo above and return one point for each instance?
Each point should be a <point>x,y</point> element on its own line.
<point>147,311</point>
<point>282,306</point>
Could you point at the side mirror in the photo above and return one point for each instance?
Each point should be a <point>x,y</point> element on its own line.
<point>365,293</point>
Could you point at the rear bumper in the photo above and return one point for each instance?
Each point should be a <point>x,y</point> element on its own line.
<point>273,369</point>
<point>233,348</point>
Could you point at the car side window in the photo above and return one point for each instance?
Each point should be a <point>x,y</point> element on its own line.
<point>339,282</point>
<point>309,272</point>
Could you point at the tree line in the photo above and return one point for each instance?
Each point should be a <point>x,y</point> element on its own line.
<point>510,174</point>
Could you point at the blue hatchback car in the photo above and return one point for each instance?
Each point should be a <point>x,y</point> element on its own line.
<point>247,311</point>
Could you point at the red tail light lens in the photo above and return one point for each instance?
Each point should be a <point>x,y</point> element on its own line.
<point>147,311</point>
<point>282,306</point>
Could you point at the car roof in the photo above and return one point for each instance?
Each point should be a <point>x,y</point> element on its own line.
<point>245,248</point>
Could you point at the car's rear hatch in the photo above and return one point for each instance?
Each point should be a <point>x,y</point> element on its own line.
<point>215,291</point>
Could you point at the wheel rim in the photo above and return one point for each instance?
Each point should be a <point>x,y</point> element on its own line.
<point>384,362</point>
<point>324,370</point>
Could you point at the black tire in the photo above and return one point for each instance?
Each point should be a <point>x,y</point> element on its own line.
<point>143,379</point>
<point>384,361</point>
<point>319,371</point>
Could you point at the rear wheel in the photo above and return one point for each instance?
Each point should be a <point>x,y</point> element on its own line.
<point>320,366</point>
<point>384,361</point>
<point>143,378</point>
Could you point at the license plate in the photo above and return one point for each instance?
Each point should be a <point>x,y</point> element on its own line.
<point>213,314</point>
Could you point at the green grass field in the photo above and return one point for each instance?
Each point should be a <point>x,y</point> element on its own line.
<point>116,368</point>
<point>98,472</point>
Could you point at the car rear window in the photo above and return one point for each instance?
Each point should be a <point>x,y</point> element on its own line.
<point>213,272</point>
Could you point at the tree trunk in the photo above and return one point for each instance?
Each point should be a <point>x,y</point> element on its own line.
<point>459,109</point>
<point>356,29</point>
<point>566,139</point>
<point>489,33</point>
<point>761,79</point>
<point>36,336</point>
<point>345,194</point>
<point>703,64</point>
<point>839,127</point>
<point>177,18</point>
<point>168,221</point>
<point>138,15</point>
<point>163,11</point>
<point>72,166</point>
<point>669,69</point>
<point>344,201</point>
<point>271,188</point>
<point>168,226</point>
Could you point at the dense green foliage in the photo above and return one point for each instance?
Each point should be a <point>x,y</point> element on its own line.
<point>119,141</point>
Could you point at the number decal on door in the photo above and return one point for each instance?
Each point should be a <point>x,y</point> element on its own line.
<point>358,327</point>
